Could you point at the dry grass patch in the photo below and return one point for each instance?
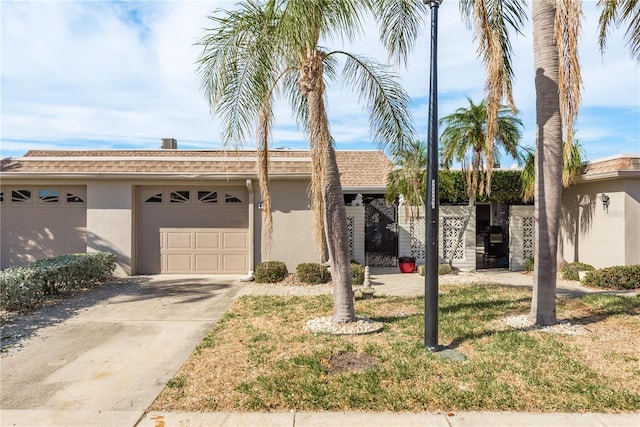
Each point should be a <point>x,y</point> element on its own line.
<point>258,357</point>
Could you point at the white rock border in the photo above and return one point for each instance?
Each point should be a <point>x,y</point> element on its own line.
<point>324,325</point>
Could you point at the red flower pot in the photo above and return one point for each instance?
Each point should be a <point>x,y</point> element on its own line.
<point>407,265</point>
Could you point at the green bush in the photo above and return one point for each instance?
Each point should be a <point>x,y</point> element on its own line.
<point>312,273</point>
<point>270,272</point>
<point>528,264</point>
<point>25,287</point>
<point>618,277</point>
<point>570,270</point>
<point>357,274</point>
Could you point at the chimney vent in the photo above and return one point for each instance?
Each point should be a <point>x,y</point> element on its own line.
<point>169,144</point>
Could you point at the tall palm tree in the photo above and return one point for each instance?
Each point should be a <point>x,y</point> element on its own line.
<point>556,25</point>
<point>408,178</point>
<point>264,49</point>
<point>464,139</point>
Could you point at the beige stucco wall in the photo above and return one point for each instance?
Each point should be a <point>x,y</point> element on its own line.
<point>632,221</point>
<point>110,221</point>
<point>589,233</point>
<point>292,225</point>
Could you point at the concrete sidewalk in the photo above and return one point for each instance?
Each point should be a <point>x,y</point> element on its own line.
<point>386,419</point>
<point>102,357</point>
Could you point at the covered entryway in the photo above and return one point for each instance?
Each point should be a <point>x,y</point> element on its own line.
<point>41,222</point>
<point>193,230</point>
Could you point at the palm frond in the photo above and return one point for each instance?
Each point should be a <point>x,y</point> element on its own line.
<point>567,32</point>
<point>616,13</point>
<point>400,23</point>
<point>237,64</point>
<point>387,101</point>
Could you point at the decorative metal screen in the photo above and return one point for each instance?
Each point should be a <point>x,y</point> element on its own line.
<point>350,233</point>
<point>528,236</point>
<point>450,228</point>
<point>381,234</point>
<point>416,228</point>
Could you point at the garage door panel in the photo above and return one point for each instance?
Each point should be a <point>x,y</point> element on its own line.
<point>177,240</point>
<point>19,218</point>
<point>235,262</point>
<point>53,217</point>
<point>207,263</point>
<point>179,263</point>
<point>207,240</point>
<point>235,240</point>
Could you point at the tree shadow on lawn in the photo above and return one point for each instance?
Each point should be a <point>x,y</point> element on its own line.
<point>611,305</point>
<point>20,326</point>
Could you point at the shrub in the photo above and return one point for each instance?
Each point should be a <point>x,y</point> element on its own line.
<point>619,277</point>
<point>528,264</point>
<point>357,274</point>
<point>25,287</point>
<point>570,270</point>
<point>270,272</point>
<point>312,273</point>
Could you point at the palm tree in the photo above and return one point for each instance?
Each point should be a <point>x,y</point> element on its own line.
<point>556,25</point>
<point>264,49</point>
<point>464,140</point>
<point>572,167</point>
<point>407,179</point>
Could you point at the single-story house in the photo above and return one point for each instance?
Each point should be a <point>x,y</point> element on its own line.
<point>167,210</point>
<point>600,221</point>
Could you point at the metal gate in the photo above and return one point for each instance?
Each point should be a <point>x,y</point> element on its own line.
<point>381,234</point>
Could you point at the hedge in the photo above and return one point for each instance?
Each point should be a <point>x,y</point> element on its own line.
<point>618,277</point>
<point>25,287</point>
<point>270,272</point>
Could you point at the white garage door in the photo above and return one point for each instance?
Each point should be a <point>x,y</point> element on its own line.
<point>193,230</point>
<point>41,222</point>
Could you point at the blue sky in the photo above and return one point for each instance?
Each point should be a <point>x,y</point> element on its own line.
<point>114,75</point>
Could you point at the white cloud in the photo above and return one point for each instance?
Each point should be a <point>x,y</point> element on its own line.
<point>108,74</point>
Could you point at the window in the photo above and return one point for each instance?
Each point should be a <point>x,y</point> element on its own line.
<point>230,198</point>
<point>208,196</point>
<point>49,196</point>
<point>72,198</point>
<point>181,196</point>
<point>1,197</point>
<point>21,196</point>
<point>156,198</point>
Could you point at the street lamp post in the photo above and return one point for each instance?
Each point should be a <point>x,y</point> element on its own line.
<point>432,203</point>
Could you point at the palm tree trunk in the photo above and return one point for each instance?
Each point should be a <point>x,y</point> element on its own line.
<point>335,215</point>
<point>548,160</point>
<point>337,241</point>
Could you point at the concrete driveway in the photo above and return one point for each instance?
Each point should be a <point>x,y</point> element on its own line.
<point>101,358</point>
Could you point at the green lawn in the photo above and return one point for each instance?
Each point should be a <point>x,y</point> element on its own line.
<point>259,357</point>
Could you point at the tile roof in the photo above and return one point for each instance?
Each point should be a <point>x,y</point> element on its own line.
<point>358,169</point>
<point>615,164</point>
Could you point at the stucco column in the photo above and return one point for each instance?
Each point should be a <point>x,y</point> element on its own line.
<point>110,222</point>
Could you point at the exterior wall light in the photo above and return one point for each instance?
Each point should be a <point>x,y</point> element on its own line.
<point>605,202</point>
